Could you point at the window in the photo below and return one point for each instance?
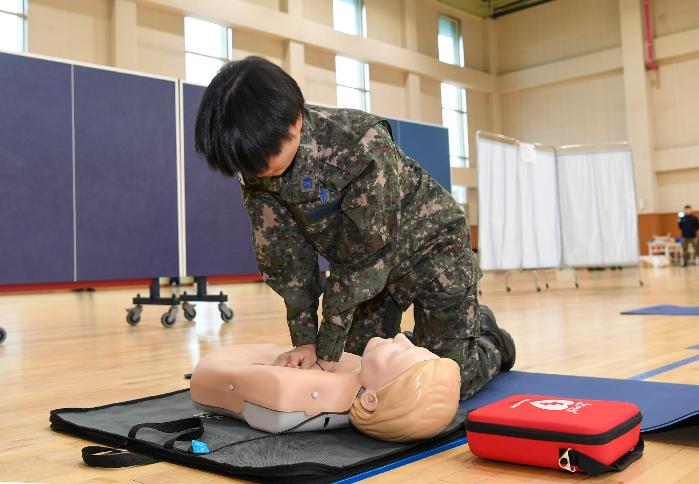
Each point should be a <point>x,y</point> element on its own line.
<point>352,83</point>
<point>460,194</point>
<point>449,41</point>
<point>13,25</point>
<point>349,16</point>
<point>207,47</point>
<point>455,119</point>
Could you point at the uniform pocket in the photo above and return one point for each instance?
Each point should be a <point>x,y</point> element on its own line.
<point>363,234</point>
<point>460,275</point>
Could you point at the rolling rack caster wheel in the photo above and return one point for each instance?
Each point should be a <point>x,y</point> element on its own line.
<point>577,286</point>
<point>226,312</point>
<point>3,335</point>
<point>168,318</point>
<point>189,312</point>
<point>538,289</point>
<point>133,315</point>
<point>640,283</point>
<point>547,286</point>
<point>509,289</point>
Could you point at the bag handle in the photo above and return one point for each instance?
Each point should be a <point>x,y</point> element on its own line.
<point>108,457</point>
<point>572,460</point>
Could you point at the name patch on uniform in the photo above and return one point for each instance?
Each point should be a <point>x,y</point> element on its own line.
<point>307,184</point>
<point>324,195</point>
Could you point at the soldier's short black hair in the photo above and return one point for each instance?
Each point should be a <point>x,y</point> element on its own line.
<point>245,115</point>
<point>687,207</point>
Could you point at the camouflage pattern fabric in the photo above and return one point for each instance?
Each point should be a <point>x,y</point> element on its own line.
<point>389,231</point>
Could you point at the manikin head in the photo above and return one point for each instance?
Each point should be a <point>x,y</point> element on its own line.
<point>408,394</point>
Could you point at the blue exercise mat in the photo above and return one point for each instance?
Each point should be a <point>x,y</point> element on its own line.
<point>667,309</point>
<point>662,404</point>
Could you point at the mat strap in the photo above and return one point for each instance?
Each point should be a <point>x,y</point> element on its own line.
<point>108,457</point>
<point>572,460</point>
<point>187,428</point>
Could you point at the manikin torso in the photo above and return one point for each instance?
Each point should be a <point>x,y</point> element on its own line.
<point>240,381</point>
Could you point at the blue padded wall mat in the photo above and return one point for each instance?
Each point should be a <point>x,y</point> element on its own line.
<point>219,238</point>
<point>36,171</point>
<point>666,310</point>
<point>662,404</point>
<point>125,175</point>
<point>428,145</point>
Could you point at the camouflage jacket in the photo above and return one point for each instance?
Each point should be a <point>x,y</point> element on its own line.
<point>352,196</point>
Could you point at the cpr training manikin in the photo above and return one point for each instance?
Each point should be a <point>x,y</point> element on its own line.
<point>396,391</point>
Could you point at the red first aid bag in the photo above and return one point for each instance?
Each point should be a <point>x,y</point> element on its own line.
<point>577,435</point>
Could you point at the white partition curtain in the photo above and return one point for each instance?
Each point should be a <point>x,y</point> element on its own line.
<point>598,208</point>
<point>518,222</point>
<point>542,208</point>
<point>499,217</point>
<point>540,220</point>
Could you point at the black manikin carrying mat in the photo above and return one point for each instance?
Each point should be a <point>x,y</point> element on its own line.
<point>301,457</point>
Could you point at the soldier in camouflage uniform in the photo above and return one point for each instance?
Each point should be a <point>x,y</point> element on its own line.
<point>337,185</point>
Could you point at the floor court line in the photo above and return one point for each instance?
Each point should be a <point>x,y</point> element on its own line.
<point>670,366</point>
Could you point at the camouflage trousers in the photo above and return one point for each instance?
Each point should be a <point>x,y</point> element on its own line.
<point>447,322</point>
<point>686,242</point>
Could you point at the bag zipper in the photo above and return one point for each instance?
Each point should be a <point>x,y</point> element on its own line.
<point>553,436</point>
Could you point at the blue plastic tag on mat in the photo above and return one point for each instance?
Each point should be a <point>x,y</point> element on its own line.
<point>199,447</point>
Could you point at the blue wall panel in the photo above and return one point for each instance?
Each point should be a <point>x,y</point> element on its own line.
<point>126,175</point>
<point>219,240</point>
<point>36,187</point>
<point>429,146</point>
<point>395,129</point>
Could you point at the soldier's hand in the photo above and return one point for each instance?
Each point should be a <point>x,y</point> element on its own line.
<point>327,365</point>
<point>300,357</point>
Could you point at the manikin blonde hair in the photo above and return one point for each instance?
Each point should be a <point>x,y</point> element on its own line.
<point>418,404</point>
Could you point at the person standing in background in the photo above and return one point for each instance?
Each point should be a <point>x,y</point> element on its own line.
<point>689,224</point>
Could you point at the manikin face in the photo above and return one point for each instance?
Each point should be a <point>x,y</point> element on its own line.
<point>385,359</point>
<point>279,163</point>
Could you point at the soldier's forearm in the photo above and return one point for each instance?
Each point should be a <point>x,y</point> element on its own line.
<point>332,337</point>
<point>302,335</point>
<point>303,324</point>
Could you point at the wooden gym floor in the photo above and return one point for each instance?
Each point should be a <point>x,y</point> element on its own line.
<point>76,350</point>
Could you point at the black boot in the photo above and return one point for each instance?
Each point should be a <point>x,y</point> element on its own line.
<point>499,337</point>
